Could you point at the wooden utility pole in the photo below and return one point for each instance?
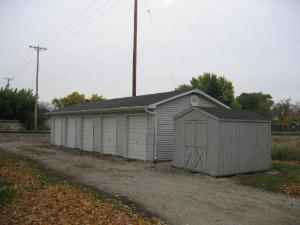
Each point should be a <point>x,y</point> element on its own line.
<point>37,49</point>
<point>134,63</point>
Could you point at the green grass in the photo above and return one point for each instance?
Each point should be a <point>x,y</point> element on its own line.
<point>5,193</point>
<point>285,174</point>
<point>286,150</point>
<point>285,132</point>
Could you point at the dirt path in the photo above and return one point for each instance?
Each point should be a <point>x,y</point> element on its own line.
<point>177,196</point>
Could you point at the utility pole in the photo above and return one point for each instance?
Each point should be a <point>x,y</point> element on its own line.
<point>8,79</point>
<point>134,63</point>
<point>37,49</point>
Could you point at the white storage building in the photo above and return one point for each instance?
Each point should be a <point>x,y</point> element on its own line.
<point>140,127</point>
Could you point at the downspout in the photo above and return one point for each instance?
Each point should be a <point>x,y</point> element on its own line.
<point>155,123</point>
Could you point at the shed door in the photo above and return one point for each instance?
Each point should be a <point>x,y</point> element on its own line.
<point>87,134</point>
<point>195,140</point>
<point>57,131</point>
<point>137,137</point>
<point>71,133</point>
<point>109,135</point>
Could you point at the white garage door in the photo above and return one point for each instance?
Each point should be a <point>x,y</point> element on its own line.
<point>137,137</point>
<point>87,134</point>
<point>71,133</point>
<point>109,135</point>
<point>57,131</point>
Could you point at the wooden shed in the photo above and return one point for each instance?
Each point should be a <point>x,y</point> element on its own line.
<point>222,142</point>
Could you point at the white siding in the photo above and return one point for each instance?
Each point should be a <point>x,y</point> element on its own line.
<point>150,137</point>
<point>165,124</point>
<point>97,133</point>
<point>71,132</point>
<point>78,132</point>
<point>109,135</point>
<point>57,132</point>
<point>87,134</point>
<point>137,137</point>
<point>121,135</point>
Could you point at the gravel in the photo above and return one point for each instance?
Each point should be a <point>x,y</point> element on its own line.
<point>175,195</point>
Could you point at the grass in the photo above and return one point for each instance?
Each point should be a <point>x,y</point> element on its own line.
<point>30,195</point>
<point>285,132</point>
<point>5,194</point>
<point>286,150</point>
<point>284,178</point>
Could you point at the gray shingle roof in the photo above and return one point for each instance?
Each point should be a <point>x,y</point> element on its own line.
<point>222,113</point>
<point>142,100</point>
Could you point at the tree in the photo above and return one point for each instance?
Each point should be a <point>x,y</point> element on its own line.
<point>74,98</point>
<point>216,86</point>
<point>257,102</point>
<point>17,105</point>
<point>95,98</point>
<point>285,111</point>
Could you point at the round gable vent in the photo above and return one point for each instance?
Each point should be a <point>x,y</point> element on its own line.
<point>194,100</point>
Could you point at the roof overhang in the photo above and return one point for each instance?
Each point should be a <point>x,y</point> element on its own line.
<point>93,111</point>
<point>194,91</point>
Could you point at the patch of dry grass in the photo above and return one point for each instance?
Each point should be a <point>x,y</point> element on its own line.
<point>19,175</point>
<point>64,204</point>
<point>39,201</point>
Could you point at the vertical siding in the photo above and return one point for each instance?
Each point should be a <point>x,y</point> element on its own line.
<point>96,143</point>
<point>70,132</point>
<point>121,135</point>
<point>244,147</point>
<point>52,131</point>
<point>150,146</point>
<point>212,145</point>
<point>78,132</point>
<point>165,124</point>
<point>63,131</point>
<point>211,140</point>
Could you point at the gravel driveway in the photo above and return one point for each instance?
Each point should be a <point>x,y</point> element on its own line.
<point>177,196</point>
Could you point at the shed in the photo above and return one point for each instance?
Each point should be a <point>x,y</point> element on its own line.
<point>222,142</point>
<point>140,127</point>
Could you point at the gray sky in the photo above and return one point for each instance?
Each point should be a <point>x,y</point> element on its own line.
<point>253,43</point>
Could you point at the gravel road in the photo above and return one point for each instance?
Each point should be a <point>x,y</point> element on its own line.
<point>177,196</point>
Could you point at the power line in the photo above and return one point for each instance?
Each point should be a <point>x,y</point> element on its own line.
<point>67,23</point>
<point>83,26</point>
<point>164,55</point>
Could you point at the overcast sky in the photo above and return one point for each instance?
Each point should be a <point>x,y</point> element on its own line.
<point>253,43</point>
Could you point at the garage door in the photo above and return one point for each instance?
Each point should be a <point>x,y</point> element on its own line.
<point>87,134</point>
<point>71,132</point>
<point>109,135</point>
<point>137,137</point>
<point>57,131</point>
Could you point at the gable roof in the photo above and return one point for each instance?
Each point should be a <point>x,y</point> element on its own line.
<point>141,100</point>
<point>231,114</point>
<point>149,101</point>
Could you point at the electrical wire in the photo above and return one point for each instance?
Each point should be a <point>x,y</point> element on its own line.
<point>164,55</point>
<point>84,25</point>
<point>65,23</point>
